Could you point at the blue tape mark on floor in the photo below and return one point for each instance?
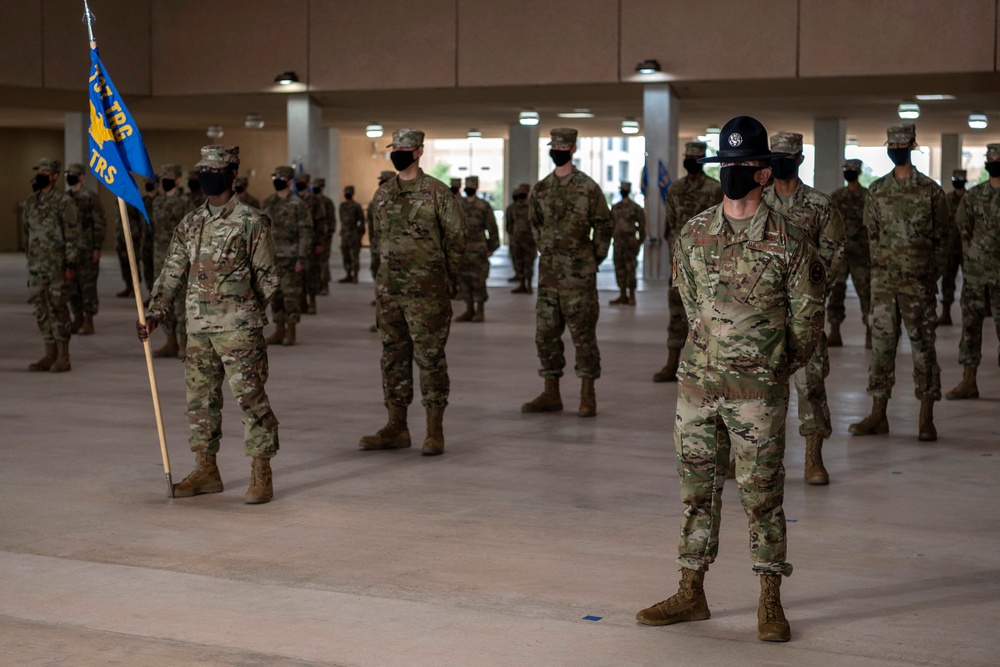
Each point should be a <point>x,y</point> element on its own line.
<point>791,520</point>
<point>591,618</point>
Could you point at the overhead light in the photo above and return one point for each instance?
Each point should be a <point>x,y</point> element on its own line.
<point>528,117</point>
<point>648,66</point>
<point>254,121</point>
<point>978,121</point>
<point>909,111</point>
<point>286,78</point>
<point>214,132</point>
<point>576,113</point>
<point>937,97</point>
<point>474,134</point>
<point>373,131</point>
<point>713,130</point>
<point>630,126</point>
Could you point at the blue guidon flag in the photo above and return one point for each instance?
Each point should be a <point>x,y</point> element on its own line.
<point>116,147</point>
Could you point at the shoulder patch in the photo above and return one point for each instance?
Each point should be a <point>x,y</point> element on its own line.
<point>817,273</point>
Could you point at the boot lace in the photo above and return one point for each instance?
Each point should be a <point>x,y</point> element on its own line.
<point>771,601</point>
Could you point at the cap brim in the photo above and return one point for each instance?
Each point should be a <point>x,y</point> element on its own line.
<point>742,158</point>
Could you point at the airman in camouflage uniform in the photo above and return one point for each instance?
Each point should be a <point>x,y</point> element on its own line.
<point>292,230</point>
<point>481,241</point>
<point>221,259</point>
<point>753,287</point>
<point>167,212</point>
<point>629,233</point>
<point>814,212</point>
<point>523,250</point>
<point>907,219</point>
<point>421,236</point>
<point>352,228</point>
<point>240,186</point>
<point>329,210</point>
<point>953,261</point>
<point>686,198</point>
<point>319,217</point>
<point>373,239</point>
<point>979,225</point>
<point>135,224</point>
<point>572,227</point>
<point>456,187</point>
<point>850,201</point>
<point>84,301</point>
<point>52,245</point>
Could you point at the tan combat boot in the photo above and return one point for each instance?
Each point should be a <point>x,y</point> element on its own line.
<point>621,300</point>
<point>289,338</point>
<point>967,388</point>
<point>588,399</point>
<point>548,401</point>
<point>631,297</point>
<point>468,314</point>
<point>45,363</point>
<point>834,339</point>
<point>87,329</point>
<point>182,346</point>
<point>205,478</point>
<point>815,472</point>
<point>394,435</point>
<point>521,289</point>
<point>434,442</point>
<point>480,315</point>
<point>260,490</point>
<point>61,364</point>
<point>277,336</point>
<point>874,424</point>
<point>772,626</point>
<point>669,372</point>
<point>169,348</point>
<point>687,604</point>
<point>311,308</point>
<point>926,431</point>
<point>346,279</point>
<point>945,319</point>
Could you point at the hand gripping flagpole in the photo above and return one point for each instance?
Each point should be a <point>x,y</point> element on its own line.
<point>88,18</point>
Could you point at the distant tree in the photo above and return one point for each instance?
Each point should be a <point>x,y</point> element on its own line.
<point>441,171</point>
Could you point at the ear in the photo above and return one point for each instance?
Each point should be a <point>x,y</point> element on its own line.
<point>763,176</point>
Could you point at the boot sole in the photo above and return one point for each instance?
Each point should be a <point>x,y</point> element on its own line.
<point>257,501</point>
<point>525,408</point>
<point>773,638</point>
<point>927,437</point>
<point>200,491</point>
<point>395,444</point>
<point>700,616</point>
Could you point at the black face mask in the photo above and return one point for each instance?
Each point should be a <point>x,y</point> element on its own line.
<point>993,168</point>
<point>958,184</point>
<point>520,197</point>
<point>470,192</point>
<point>300,186</point>
<point>168,184</point>
<point>402,159</point>
<point>315,190</point>
<point>625,193</point>
<point>194,185</point>
<point>560,157</point>
<point>738,181</point>
<point>784,168</point>
<point>899,156</point>
<point>213,183</point>
<point>350,195</point>
<point>454,191</point>
<point>691,166</point>
<point>42,181</point>
<point>850,175</point>
<point>73,179</point>
<point>35,187</point>
<point>280,184</point>
<point>239,189</point>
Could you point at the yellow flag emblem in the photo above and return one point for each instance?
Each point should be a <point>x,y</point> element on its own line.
<point>99,131</point>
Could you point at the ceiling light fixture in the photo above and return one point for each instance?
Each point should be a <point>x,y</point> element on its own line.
<point>576,113</point>
<point>214,132</point>
<point>528,117</point>
<point>978,121</point>
<point>909,111</point>
<point>474,134</point>
<point>648,66</point>
<point>286,78</point>
<point>630,126</point>
<point>373,131</point>
<point>254,121</point>
<point>936,97</point>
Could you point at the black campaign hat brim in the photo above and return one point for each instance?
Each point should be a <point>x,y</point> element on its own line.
<point>740,158</point>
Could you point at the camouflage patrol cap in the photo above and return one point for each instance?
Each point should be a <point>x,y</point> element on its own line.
<point>385,176</point>
<point>407,137</point>
<point>901,133</point>
<point>456,182</point>
<point>523,187</point>
<point>563,137</point>
<point>992,152</point>
<point>305,177</point>
<point>626,185</point>
<point>853,165</point>
<point>349,190</point>
<point>240,182</point>
<point>76,168</point>
<point>959,174</point>
<point>284,171</point>
<point>174,170</point>
<point>472,181</point>
<point>320,182</point>
<point>49,164</point>
<point>695,149</point>
<point>218,156</point>
<point>786,142</point>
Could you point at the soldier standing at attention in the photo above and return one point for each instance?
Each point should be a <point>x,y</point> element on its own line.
<point>686,198</point>
<point>907,219</point>
<point>979,225</point>
<point>222,258</point>
<point>167,212</point>
<point>317,213</point>
<point>814,212</point>
<point>753,287</point>
<point>456,187</point>
<point>421,238</point>
<point>52,245</point>
<point>90,217</point>
<point>629,233</point>
<point>523,250</point>
<point>329,212</point>
<point>373,238</point>
<point>572,227</point>
<point>135,225</point>
<point>240,190</point>
<point>352,227</point>
<point>481,241</point>
<point>954,259</point>
<point>291,228</point>
<point>850,201</point>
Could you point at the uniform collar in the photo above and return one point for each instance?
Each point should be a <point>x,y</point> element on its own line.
<point>409,186</point>
<point>754,230</point>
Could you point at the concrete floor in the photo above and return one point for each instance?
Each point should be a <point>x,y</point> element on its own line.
<point>490,555</point>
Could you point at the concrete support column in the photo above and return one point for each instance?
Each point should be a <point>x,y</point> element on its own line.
<point>76,143</point>
<point>660,112</point>
<point>520,159</point>
<point>308,150</point>
<point>951,157</point>
<point>829,138</point>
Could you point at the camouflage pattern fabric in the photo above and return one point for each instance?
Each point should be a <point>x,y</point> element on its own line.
<point>376,258</point>
<point>145,249</point>
<point>329,225</point>
<point>629,221</point>
<point>352,228</point>
<point>953,259</point>
<point>421,241</point>
<point>52,243</point>
<point>135,225</point>
<point>978,221</point>
<point>907,222</point>
<point>292,230</point>
<point>286,306</point>
<point>523,250</point>
<point>572,227</point>
<point>481,239</point>
<point>93,227</point>
<point>167,213</point>
<point>857,256</point>
<point>312,280</point>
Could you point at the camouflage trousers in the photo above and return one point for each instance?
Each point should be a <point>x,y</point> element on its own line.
<point>677,328</point>
<point>146,251</point>
<point>376,260</point>
<point>523,253</point>
<point>977,301</point>
<point>83,291</point>
<point>312,280</point>
<point>952,263</point>
<point>472,274</point>
<point>414,329</point>
<point>858,264</point>
<point>122,252</point>
<point>915,311</point>
<point>810,385</point>
<point>286,305</point>
<point>756,429</point>
<point>626,259</point>
<point>241,358</point>
<point>48,293</point>
<point>576,307</point>
<point>350,250</point>
<point>324,262</point>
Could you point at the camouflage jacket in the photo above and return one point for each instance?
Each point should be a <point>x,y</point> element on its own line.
<point>754,303</point>
<point>572,227</point>
<point>317,213</point>
<point>907,222</point>
<point>421,237</point>
<point>852,210</point>
<point>629,221</point>
<point>167,213</point>
<point>516,220</point>
<point>51,233</point>
<point>686,198</point>
<point>249,199</point>
<point>226,264</point>
<point>979,224</point>
<point>814,212</point>
<point>352,218</point>
<point>954,199</point>
<point>372,232</point>
<point>481,232</point>
<point>291,227</point>
<point>330,210</point>
<point>90,217</point>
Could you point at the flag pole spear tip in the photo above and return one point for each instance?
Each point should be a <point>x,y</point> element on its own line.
<point>89,18</point>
